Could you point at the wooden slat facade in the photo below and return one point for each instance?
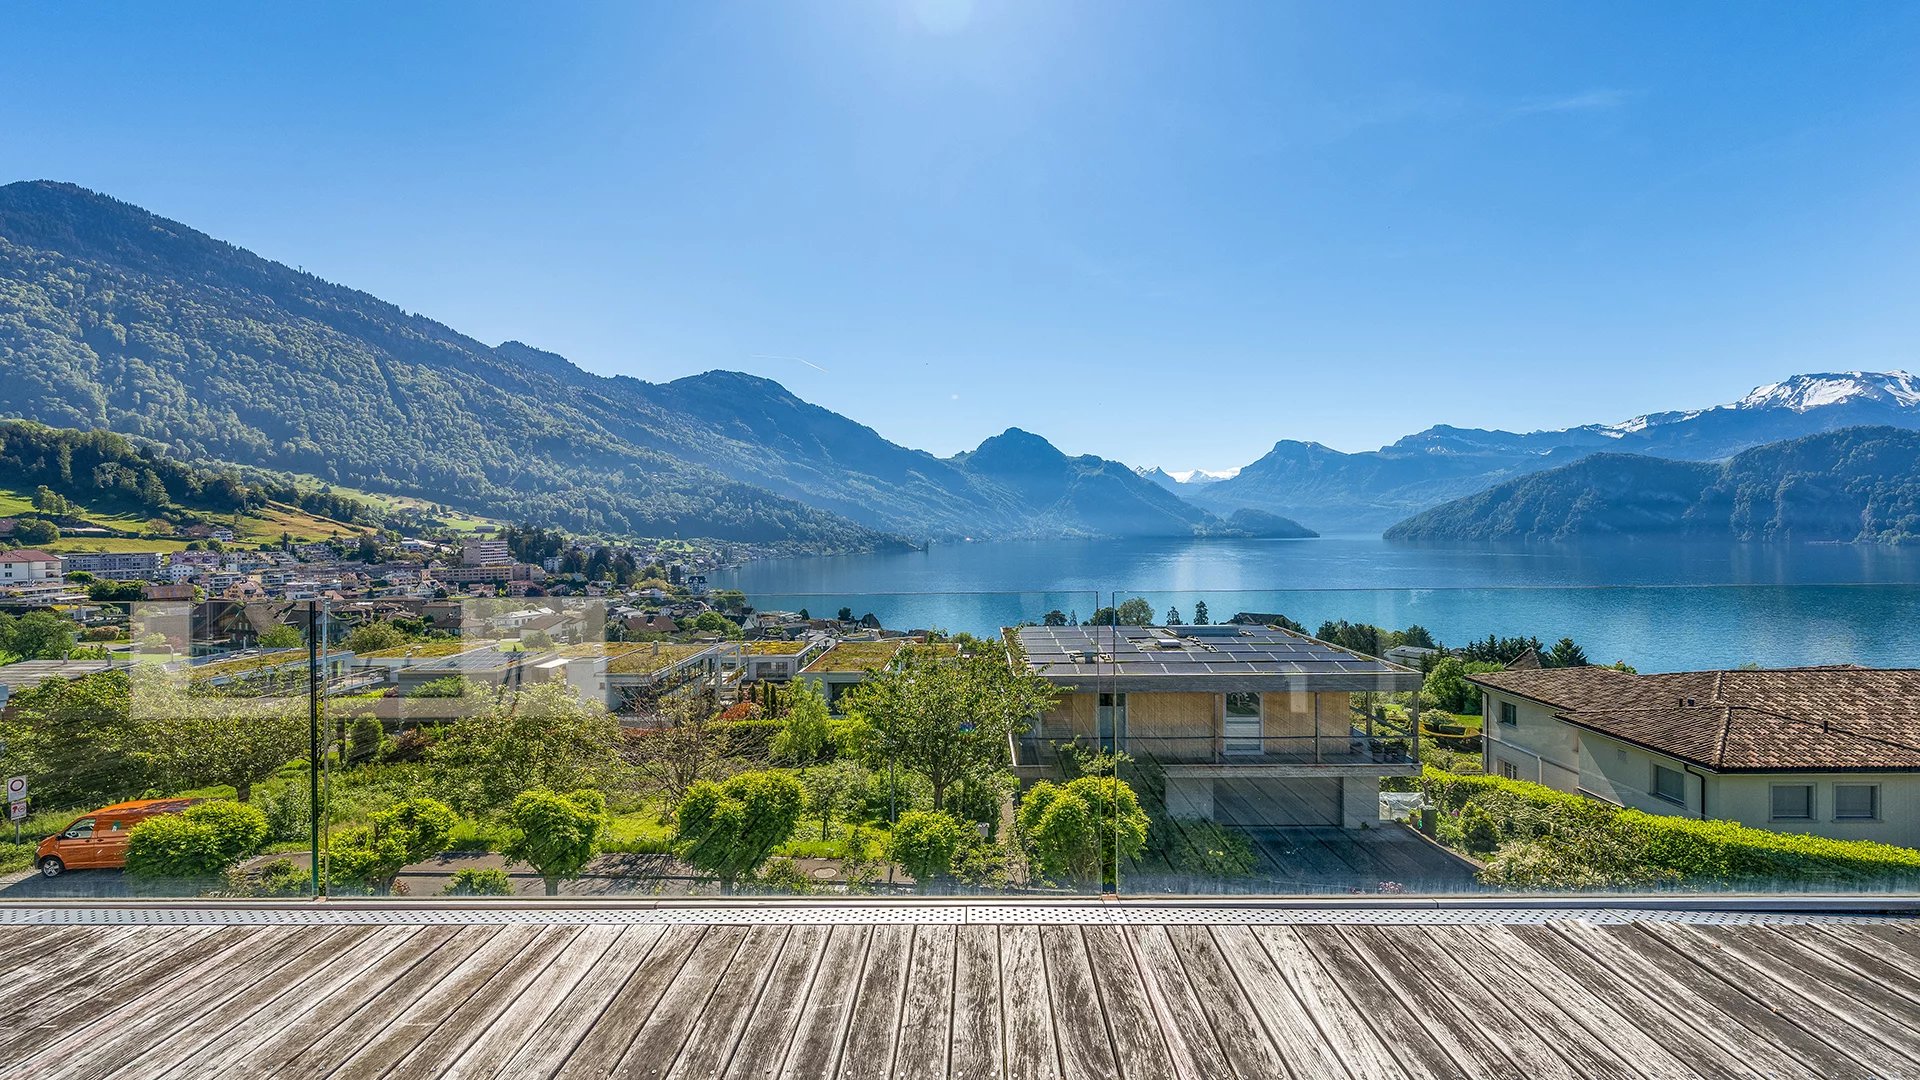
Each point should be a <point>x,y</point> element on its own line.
<point>1137,1000</point>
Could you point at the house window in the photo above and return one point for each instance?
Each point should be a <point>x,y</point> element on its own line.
<point>1509,713</point>
<point>1793,802</point>
<point>1110,720</point>
<point>1509,771</point>
<point>1669,784</point>
<point>1242,734</point>
<point>1856,802</point>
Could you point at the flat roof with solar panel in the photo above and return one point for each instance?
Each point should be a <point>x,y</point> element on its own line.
<point>1222,658</point>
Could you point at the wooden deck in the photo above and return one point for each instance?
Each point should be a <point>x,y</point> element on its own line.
<point>1137,999</point>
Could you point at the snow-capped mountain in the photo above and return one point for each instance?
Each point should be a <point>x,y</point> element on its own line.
<point>1334,491</point>
<point>1184,479</point>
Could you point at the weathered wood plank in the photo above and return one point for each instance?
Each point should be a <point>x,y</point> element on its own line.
<point>343,969</point>
<point>468,1020</point>
<point>926,1016</point>
<point>343,1023</point>
<point>1079,1016</point>
<point>186,1046</point>
<point>769,1030</point>
<point>1603,1045</point>
<point>1707,1045</point>
<point>978,1050</point>
<point>717,1026</point>
<point>61,964</point>
<point>1880,1039</point>
<point>1639,956</point>
<point>1848,945</point>
<point>1436,985</point>
<point>112,1048</point>
<point>873,1034</point>
<point>822,1027</point>
<point>1823,954</point>
<point>1033,1044</point>
<point>1195,1049</point>
<point>1356,1043</point>
<point>1451,1047</point>
<point>612,1030</point>
<point>664,1035</point>
<point>47,1014</point>
<point>542,1052</point>
<point>1305,1050</point>
<point>414,1024</point>
<point>502,1036</point>
<point>1229,1012</point>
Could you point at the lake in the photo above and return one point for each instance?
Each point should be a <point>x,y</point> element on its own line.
<point>1661,606</point>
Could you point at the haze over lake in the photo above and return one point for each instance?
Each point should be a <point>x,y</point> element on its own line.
<point>1660,606</point>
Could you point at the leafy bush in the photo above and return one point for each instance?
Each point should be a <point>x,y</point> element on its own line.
<point>410,745</point>
<point>281,877</point>
<point>374,854</point>
<point>558,834</point>
<point>201,841</point>
<point>746,738</point>
<point>1543,838</point>
<point>1202,849</point>
<point>1074,829</point>
<point>925,842</point>
<point>728,829</point>
<point>783,876</point>
<point>363,738</point>
<point>288,812</point>
<point>474,881</point>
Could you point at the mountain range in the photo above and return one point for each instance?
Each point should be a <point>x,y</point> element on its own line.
<point>1331,490</point>
<point>1855,485</point>
<point>112,317</point>
<point>115,318</point>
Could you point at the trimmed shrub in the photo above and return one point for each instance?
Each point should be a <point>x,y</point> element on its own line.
<point>746,738</point>
<point>201,841</point>
<point>558,834</point>
<point>728,829</point>
<point>1072,830</point>
<point>479,882</point>
<point>363,738</point>
<point>1543,838</point>
<point>925,842</point>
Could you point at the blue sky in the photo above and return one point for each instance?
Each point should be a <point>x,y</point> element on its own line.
<point>1169,233</point>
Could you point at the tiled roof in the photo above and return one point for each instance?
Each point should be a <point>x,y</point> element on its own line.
<point>1823,718</point>
<point>28,555</point>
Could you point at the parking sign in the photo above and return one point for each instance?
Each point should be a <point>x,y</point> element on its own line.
<point>16,789</point>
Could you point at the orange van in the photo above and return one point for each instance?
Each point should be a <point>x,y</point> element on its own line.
<point>98,841</point>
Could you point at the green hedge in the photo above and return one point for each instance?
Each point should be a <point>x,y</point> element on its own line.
<point>1543,837</point>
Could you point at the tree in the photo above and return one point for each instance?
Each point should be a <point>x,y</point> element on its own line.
<point>948,718</point>
<point>536,640</point>
<point>37,635</point>
<point>1076,829</point>
<point>681,751</point>
<point>805,736</point>
<point>545,737</point>
<point>36,531</point>
<point>1199,613</point>
<point>374,637</point>
<point>728,829</point>
<point>193,739</point>
<point>830,790</point>
<point>845,614</point>
<point>924,843</point>
<point>1446,687</point>
<point>374,854</point>
<point>1418,636</point>
<point>281,636</point>
<point>1056,617</point>
<point>1173,616</point>
<point>369,549</point>
<point>557,835</point>
<point>712,622</point>
<point>1565,654</point>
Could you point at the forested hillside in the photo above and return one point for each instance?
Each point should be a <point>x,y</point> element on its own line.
<point>113,317</point>
<point>1855,485</point>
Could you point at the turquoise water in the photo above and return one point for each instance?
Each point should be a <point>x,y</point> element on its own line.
<point>1658,606</point>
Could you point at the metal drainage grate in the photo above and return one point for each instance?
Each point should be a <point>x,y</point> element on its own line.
<point>946,914</point>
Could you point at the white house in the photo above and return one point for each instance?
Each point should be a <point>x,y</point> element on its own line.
<point>1828,750</point>
<point>28,566</point>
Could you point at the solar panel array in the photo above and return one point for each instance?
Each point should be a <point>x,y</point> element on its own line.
<point>1148,651</point>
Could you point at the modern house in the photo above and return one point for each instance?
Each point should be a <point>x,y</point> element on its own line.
<point>849,663</point>
<point>28,567</point>
<point>1828,750</point>
<point>1252,726</point>
<point>115,565</point>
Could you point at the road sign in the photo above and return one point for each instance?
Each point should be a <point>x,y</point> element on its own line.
<point>17,811</point>
<point>16,789</point>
